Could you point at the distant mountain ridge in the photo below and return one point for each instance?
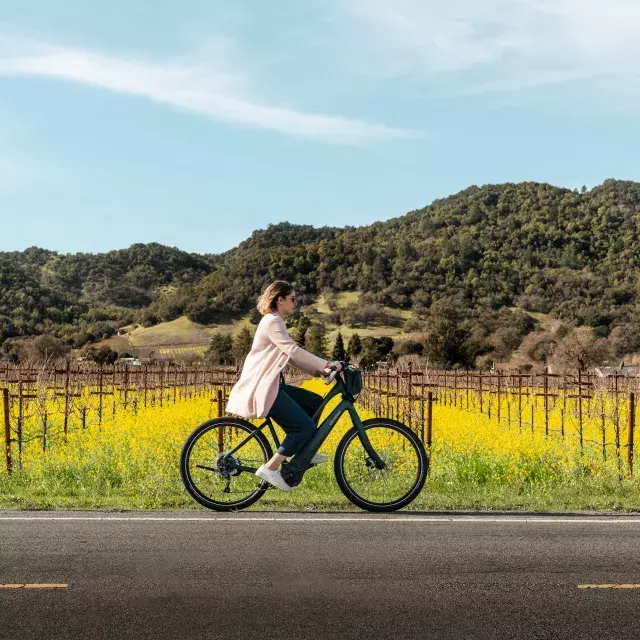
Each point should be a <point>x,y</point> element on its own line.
<point>574,254</point>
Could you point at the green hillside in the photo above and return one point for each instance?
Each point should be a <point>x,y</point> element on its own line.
<point>571,255</point>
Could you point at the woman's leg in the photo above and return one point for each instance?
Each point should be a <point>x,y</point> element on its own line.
<point>295,422</point>
<point>308,400</point>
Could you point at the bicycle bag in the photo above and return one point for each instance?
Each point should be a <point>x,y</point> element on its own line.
<point>353,380</point>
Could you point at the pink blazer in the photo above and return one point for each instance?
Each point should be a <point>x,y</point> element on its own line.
<point>255,391</point>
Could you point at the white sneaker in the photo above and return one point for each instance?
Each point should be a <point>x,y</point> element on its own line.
<point>318,458</point>
<point>272,476</point>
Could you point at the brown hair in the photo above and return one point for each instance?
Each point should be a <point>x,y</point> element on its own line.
<point>268,301</point>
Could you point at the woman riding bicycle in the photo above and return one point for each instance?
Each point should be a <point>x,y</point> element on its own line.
<point>260,390</point>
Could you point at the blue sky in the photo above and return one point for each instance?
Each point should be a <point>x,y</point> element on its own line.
<point>192,123</point>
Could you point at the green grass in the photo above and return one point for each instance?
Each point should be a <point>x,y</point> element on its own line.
<point>449,487</point>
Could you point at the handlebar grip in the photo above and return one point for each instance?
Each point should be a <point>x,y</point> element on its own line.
<point>332,376</point>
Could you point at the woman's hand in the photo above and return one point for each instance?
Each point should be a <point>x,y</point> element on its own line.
<point>335,364</point>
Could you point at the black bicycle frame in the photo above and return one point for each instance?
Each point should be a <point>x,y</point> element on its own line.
<point>300,461</point>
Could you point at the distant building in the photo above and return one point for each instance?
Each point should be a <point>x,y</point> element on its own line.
<point>130,361</point>
<point>624,370</point>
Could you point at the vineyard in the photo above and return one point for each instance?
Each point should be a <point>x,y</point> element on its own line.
<point>182,351</point>
<point>97,436</point>
<point>595,414</point>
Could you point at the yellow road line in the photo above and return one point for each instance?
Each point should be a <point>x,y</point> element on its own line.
<point>33,586</point>
<point>609,586</point>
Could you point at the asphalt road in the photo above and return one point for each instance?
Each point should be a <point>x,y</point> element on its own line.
<point>195,574</point>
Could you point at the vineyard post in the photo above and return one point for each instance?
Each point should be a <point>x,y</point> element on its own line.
<point>7,429</point>
<point>392,406</point>
<point>372,390</point>
<point>580,407</point>
<point>509,392</point>
<point>468,389</point>
<point>144,383</point>
<point>66,399</point>
<point>399,398</point>
<point>20,418</point>
<point>219,401</point>
<point>422,417</point>
<point>429,418</point>
<point>220,427</point>
<point>387,393</point>
<point>520,401</point>
<point>499,401</point>
<point>603,426</point>
<point>44,431</point>
<point>546,401</point>
<point>532,415</point>
<point>175,382</point>
<point>113,389</point>
<point>617,415</point>
<point>480,389</point>
<point>126,385</point>
<point>100,387</point>
<point>455,388</point>
<point>163,368</point>
<point>564,404</point>
<point>409,396</point>
<point>632,424</point>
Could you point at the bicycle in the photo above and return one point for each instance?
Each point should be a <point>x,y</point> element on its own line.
<point>380,464</point>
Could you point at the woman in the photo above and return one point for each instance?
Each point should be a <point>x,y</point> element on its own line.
<point>259,393</point>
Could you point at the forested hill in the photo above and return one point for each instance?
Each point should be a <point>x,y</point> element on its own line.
<point>572,254</point>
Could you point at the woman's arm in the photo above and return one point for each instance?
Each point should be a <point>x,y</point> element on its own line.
<point>306,361</point>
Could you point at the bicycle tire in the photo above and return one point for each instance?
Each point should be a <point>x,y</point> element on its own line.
<point>358,500</point>
<point>187,448</point>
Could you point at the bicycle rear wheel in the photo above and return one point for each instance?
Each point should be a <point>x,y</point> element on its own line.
<point>386,489</point>
<point>218,482</point>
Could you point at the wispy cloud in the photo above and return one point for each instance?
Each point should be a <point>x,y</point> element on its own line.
<point>494,45</point>
<point>196,87</point>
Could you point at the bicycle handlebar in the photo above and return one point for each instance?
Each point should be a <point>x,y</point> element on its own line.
<point>334,372</point>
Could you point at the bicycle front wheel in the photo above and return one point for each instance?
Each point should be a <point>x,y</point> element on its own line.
<point>386,489</point>
<point>219,481</point>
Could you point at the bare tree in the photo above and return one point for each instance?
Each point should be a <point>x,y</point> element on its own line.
<point>538,345</point>
<point>582,349</point>
<point>42,349</point>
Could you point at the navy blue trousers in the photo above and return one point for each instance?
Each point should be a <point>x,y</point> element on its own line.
<point>292,410</point>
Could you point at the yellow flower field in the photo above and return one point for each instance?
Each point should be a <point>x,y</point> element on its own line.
<point>131,460</point>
